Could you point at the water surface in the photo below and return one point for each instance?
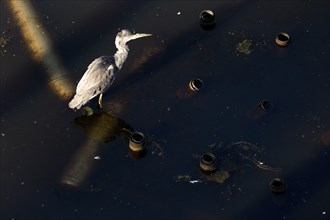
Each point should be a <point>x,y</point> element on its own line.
<point>39,136</point>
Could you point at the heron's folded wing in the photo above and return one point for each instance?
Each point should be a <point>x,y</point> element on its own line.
<point>97,77</point>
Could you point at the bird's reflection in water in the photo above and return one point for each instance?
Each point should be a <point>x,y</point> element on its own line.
<point>104,127</point>
<point>100,128</point>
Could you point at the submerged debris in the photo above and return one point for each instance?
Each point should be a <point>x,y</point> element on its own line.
<point>250,154</point>
<point>234,158</point>
<point>219,176</point>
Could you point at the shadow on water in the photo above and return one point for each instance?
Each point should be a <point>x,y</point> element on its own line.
<point>179,45</point>
<point>103,127</point>
<point>99,23</point>
<point>159,57</point>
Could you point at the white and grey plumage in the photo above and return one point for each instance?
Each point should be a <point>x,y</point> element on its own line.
<point>101,72</point>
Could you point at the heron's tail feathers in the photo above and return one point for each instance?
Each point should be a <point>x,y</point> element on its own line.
<point>77,102</point>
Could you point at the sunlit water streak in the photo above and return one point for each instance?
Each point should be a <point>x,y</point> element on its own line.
<point>40,46</point>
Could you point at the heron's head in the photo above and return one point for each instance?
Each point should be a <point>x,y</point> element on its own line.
<point>125,35</point>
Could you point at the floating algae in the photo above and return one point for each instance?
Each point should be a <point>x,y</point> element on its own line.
<point>182,178</point>
<point>4,41</point>
<point>244,47</point>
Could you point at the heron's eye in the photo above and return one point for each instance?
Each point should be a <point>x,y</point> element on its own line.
<point>125,33</point>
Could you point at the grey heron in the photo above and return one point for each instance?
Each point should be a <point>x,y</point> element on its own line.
<point>100,74</point>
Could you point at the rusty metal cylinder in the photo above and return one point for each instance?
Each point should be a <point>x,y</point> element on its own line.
<point>208,163</point>
<point>137,145</point>
<point>207,19</point>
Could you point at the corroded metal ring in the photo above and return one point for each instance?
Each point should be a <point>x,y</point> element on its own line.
<point>196,84</point>
<point>208,163</point>
<point>282,39</point>
<point>207,19</point>
<point>136,141</point>
<point>266,105</point>
<point>277,185</point>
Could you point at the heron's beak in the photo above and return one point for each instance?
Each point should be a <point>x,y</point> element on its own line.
<point>136,36</point>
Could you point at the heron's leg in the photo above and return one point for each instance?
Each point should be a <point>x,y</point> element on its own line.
<point>100,101</point>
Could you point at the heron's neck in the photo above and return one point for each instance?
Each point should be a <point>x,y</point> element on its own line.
<point>121,55</point>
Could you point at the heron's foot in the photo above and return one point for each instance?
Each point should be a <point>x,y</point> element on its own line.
<point>88,111</point>
<point>99,104</point>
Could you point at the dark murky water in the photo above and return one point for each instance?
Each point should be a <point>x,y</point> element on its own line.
<point>40,136</point>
